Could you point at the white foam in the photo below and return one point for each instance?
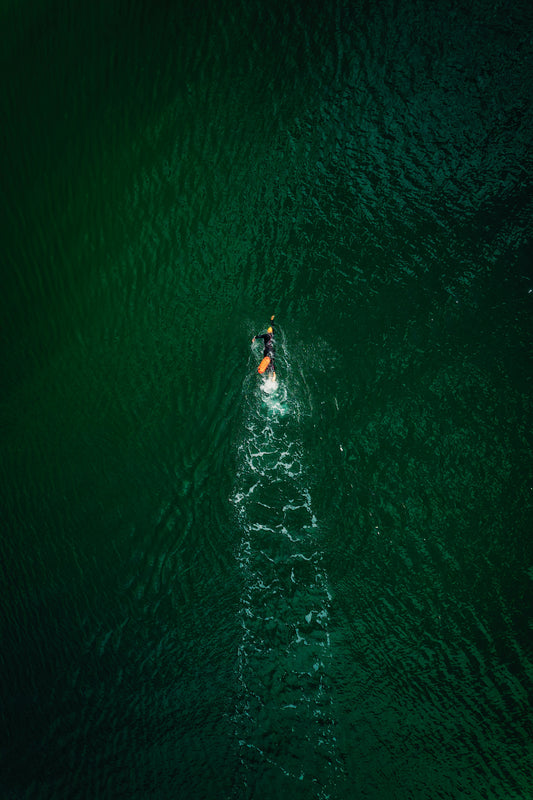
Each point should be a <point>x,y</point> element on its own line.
<point>285,599</point>
<point>269,385</point>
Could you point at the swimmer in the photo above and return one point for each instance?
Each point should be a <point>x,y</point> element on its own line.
<point>267,364</point>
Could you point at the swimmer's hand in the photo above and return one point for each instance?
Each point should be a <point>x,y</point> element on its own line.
<point>253,340</point>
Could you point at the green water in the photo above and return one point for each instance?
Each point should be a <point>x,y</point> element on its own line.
<point>211,589</point>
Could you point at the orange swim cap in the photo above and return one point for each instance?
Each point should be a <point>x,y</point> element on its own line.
<point>269,330</point>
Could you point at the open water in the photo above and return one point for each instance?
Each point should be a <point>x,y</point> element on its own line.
<point>212,587</point>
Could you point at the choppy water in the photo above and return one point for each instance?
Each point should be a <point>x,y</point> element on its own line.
<point>211,589</point>
<point>285,718</point>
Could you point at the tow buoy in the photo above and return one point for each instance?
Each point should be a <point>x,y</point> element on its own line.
<point>263,365</point>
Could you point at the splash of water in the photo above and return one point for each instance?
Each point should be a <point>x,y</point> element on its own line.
<point>284,716</point>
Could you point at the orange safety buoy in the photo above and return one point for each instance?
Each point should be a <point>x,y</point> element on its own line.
<point>263,365</point>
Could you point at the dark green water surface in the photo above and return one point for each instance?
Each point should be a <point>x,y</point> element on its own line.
<point>216,588</point>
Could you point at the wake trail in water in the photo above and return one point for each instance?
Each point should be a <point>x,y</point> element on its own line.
<point>284,716</point>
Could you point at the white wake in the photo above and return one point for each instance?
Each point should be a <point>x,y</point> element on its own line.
<point>284,715</point>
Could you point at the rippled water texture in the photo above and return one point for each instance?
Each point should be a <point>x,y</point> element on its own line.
<point>213,587</point>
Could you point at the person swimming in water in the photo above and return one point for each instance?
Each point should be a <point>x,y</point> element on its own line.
<point>268,351</point>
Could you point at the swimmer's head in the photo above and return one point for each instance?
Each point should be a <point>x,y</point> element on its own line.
<point>269,330</point>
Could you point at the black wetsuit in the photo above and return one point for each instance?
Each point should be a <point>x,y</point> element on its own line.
<point>268,339</point>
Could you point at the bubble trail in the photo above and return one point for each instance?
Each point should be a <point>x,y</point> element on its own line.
<point>284,714</point>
